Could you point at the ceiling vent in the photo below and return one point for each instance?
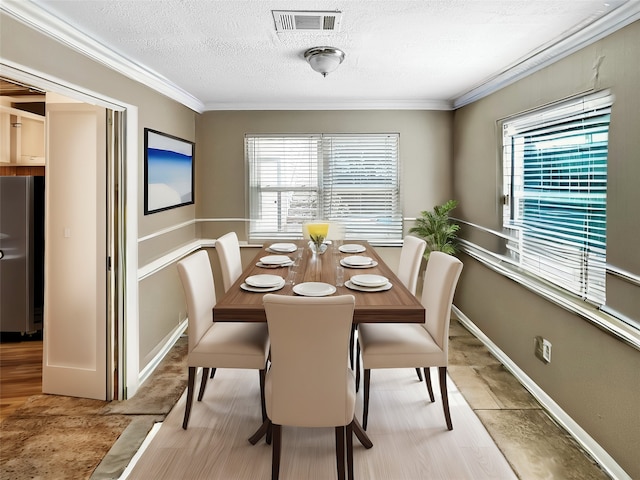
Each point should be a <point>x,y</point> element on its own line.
<point>305,21</point>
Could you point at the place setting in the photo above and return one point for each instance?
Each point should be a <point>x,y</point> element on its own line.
<point>357,261</point>
<point>368,283</point>
<point>275,261</point>
<point>351,248</point>
<point>263,283</point>
<point>282,248</point>
<point>314,289</point>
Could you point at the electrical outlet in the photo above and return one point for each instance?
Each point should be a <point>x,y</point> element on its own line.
<point>542,349</point>
<point>546,350</point>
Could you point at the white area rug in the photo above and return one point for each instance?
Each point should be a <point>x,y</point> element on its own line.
<point>409,435</point>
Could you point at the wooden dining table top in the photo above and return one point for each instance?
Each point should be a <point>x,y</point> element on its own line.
<point>396,305</point>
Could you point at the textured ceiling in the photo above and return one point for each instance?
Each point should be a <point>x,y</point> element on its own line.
<point>399,53</point>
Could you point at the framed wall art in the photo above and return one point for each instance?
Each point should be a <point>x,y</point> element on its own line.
<point>168,171</point>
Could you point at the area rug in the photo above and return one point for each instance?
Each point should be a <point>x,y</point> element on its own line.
<point>58,437</point>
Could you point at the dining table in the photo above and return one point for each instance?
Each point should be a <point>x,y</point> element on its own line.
<point>392,305</point>
<point>329,273</point>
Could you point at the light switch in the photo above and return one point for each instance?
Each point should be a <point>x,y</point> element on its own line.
<point>67,232</point>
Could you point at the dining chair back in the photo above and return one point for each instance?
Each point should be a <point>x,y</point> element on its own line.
<point>410,261</point>
<point>441,279</point>
<point>228,249</point>
<point>309,382</point>
<point>216,345</point>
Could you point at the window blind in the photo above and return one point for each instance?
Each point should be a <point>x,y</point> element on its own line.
<point>361,186</point>
<point>556,174</point>
<point>351,179</point>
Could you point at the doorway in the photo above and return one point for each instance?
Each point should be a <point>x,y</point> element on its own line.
<point>98,357</point>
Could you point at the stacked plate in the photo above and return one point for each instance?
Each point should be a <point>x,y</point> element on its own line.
<point>275,261</point>
<point>263,283</point>
<point>351,248</point>
<point>357,261</point>
<point>368,283</point>
<point>282,247</point>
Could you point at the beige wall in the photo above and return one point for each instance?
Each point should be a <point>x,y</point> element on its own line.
<point>425,150</point>
<point>593,376</point>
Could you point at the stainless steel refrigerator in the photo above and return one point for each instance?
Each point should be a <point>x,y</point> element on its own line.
<point>21,254</point>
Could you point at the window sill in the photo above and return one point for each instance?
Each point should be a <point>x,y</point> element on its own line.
<point>608,323</point>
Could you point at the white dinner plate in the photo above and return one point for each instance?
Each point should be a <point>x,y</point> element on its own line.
<point>264,281</point>
<point>368,265</point>
<point>249,288</point>
<point>275,259</point>
<point>283,247</point>
<point>360,288</point>
<point>369,280</point>
<point>357,261</point>
<point>351,248</point>
<point>274,265</point>
<point>314,289</point>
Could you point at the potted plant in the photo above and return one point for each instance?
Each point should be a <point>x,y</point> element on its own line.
<point>437,229</point>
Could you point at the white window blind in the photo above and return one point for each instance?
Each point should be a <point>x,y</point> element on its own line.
<point>555,166</point>
<point>351,179</point>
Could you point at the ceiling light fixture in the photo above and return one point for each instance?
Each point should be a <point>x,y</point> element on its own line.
<point>324,60</point>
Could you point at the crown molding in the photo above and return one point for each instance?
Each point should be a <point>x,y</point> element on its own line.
<point>39,19</point>
<point>336,105</point>
<point>622,16</point>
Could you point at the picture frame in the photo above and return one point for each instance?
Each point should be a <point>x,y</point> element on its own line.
<point>169,174</point>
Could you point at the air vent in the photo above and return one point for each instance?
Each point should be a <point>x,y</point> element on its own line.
<point>305,21</point>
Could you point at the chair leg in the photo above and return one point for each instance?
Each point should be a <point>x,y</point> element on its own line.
<point>213,372</point>
<point>352,340</point>
<point>445,396</point>
<point>261,432</point>
<point>365,410</point>
<point>357,368</point>
<point>263,374</point>
<point>427,377</point>
<point>340,451</point>
<point>269,433</point>
<point>203,382</point>
<point>350,451</point>
<point>419,374</point>
<point>190,384</point>
<point>277,445</point>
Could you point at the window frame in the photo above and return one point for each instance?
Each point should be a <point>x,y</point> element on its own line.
<point>590,284</point>
<point>331,183</point>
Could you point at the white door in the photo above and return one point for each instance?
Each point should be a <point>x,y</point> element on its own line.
<point>75,305</point>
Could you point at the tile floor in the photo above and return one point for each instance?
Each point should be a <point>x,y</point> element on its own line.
<point>535,446</point>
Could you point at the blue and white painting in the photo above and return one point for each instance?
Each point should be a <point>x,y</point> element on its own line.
<point>169,172</point>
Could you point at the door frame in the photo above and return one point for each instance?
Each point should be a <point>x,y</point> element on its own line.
<point>122,316</point>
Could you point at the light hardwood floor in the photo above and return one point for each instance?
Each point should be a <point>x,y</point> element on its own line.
<point>409,434</point>
<point>20,374</point>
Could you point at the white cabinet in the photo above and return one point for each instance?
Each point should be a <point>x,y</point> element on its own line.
<point>22,137</point>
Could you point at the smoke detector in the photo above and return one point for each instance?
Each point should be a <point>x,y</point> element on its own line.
<point>306,21</point>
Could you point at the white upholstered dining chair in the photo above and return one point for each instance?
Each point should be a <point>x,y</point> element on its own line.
<point>417,345</point>
<point>228,249</point>
<point>410,261</point>
<point>408,269</point>
<point>309,382</point>
<point>216,344</point>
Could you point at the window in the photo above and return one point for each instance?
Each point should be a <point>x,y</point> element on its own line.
<point>351,179</point>
<point>555,178</point>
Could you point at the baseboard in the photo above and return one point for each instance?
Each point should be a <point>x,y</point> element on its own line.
<point>162,351</point>
<point>599,455</point>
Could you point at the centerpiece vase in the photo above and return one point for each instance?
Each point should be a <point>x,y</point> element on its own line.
<point>317,232</point>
